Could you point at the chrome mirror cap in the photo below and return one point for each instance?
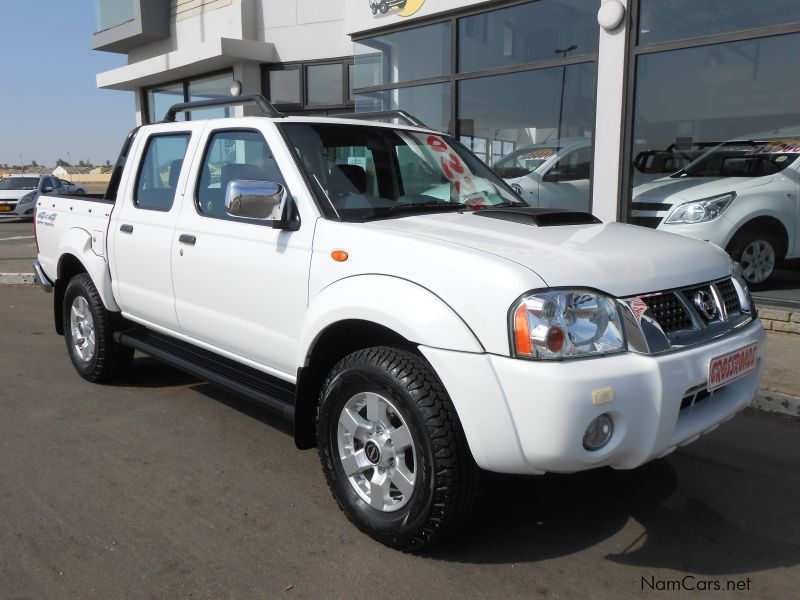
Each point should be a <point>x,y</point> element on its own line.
<point>257,200</point>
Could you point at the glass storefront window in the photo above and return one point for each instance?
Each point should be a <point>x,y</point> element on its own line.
<point>744,94</point>
<point>284,86</point>
<point>526,33</point>
<point>669,20</point>
<point>160,99</point>
<point>535,128</point>
<point>417,53</point>
<point>207,88</point>
<point>429,103</point>
<point>325,84</point>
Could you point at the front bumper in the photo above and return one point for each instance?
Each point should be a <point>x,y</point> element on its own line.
<point>529,417</point>
<point>8,209</point>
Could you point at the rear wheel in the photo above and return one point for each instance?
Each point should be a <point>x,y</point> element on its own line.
<point>393,450</point>
<point>88,331</point>
<point>757,253</point>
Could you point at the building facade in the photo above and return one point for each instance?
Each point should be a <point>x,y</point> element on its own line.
<point>578,102</point>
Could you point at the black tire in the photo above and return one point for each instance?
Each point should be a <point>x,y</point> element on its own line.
<point>748,248</point>
<point>383,7</point>
<point>108,359</point>
<point>447,481</point>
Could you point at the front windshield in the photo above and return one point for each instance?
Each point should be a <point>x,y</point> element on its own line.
<point>19,183</point>
<point>525,161</point>
<point>365,172</point>
<point>747,158</point>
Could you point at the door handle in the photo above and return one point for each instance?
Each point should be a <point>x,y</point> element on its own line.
<point>187,239</point>
<point>126,228</point>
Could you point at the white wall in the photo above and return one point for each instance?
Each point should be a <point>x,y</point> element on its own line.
<point>304,29</point>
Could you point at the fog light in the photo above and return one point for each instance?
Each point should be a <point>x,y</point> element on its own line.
<point>598,432</point>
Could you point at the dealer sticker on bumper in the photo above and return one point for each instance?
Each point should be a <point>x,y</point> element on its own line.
<point>729,367</point>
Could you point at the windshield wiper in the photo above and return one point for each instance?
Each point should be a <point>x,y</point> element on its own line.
<point>506,203</point>
<point>384,211</point>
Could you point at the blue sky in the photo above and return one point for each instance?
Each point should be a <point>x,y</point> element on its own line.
<point>49,102</point>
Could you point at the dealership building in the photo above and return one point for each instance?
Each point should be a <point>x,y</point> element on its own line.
<point>622,91</point>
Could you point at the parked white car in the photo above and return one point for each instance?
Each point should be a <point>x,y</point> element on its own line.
<point>415,338</point>
<point>550,175</point>
<point>18,193</point>
<point>71,188</point>
<point>740,195</point>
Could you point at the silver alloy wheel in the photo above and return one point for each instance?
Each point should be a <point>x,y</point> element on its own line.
<point>377,451</point>
<point>758,261</point>
<point>81,324</point>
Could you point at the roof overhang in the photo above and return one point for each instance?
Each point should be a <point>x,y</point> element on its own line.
<point>199,59</point>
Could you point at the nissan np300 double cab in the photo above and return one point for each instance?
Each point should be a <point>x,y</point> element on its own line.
<point>384,289</point>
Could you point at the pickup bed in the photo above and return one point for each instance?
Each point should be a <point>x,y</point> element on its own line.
<point>382,288</point>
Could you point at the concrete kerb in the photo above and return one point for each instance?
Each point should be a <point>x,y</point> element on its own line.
<point>17,279</point>
<point>774,319</point>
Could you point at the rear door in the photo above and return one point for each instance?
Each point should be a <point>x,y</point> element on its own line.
<point>241,286</point>
<point>143,223</point>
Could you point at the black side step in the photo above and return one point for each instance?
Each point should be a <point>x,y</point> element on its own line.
<point>269,391</point>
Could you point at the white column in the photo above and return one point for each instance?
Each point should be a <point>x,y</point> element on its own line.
<point>140,116</point>
<point>608,120</point>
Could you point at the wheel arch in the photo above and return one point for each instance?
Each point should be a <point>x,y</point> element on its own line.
<point>763,223</point>
<point>363,311</point>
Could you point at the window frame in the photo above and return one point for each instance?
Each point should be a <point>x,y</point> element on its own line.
<point>145,100</point>
<point>302,66</point>
<point>142,160</point>
<point>206,150</point>
<point>633,51</point>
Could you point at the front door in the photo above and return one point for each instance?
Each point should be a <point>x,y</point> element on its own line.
<point>240,286</point>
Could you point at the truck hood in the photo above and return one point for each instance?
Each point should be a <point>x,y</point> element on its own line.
<point>669,191</point>
<point>13,194</point>
<point>622,260</point>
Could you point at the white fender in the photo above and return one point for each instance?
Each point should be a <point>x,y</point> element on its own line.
<point>78,242</point>
<point>405,307</point>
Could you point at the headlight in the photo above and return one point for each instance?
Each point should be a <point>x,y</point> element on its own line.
<point>566,324</point>
<point>699,211</point>
<point>27,198</point>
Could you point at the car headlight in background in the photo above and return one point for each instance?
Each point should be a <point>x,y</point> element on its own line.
<point>566,324</point>
<point>27,198</point>
<point>699,211</point>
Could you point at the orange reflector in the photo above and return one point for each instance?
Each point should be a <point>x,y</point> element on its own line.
<point>555,339</point>
<point>522,331</point>
<point>339,255</point>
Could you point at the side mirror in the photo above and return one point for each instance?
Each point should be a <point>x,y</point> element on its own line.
<point>264,201</point>
<point>552,176</point>
<point>47,189</point>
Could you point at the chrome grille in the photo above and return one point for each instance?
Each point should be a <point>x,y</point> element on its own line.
<point>670,314</point>
<point>729,296</point>
<point>677,318</point>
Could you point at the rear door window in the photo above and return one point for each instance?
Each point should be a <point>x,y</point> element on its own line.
<point>160,170</point>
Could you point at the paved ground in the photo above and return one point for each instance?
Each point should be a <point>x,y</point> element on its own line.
<point>162,486</point>
<point>17,248</point>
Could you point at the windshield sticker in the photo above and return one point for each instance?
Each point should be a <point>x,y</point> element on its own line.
<point>788,146</point>
<point>541,154</point>
<point>456,173</point>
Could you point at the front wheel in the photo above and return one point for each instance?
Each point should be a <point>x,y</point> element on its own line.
<point>393,450</point>
<point>88,331</point>
<point>383,7</point>
<point>757,255</point>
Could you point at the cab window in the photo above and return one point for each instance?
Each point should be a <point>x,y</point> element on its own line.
<point>160,170</point>
<point>229,156</point>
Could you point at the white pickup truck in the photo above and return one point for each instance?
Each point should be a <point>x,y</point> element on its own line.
<point>384,289</point>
